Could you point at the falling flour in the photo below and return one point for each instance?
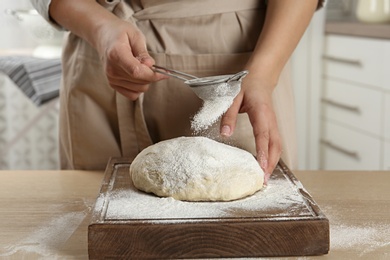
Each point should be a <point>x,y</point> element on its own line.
<point>216,101</point>
<point>210,112</point>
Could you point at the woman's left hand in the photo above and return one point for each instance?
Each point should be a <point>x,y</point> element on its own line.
<point>255,99</point>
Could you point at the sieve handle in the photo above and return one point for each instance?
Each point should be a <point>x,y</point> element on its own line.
<point>173,73</point>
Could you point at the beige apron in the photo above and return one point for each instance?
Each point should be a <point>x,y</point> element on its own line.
<point>207,37</point>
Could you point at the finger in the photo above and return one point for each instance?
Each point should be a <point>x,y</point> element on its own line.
<point>138,71</point>
<point>140,52</point>
<point>145,59</point>
<point>273,159</point>
<point>275,150</point>
<point>262,144</point>
<point>267,176</point>
<point>229,119</point>
<point>130,67</point>
<point>262,138</point>
<point>262,157</point>
<point>139,49</point>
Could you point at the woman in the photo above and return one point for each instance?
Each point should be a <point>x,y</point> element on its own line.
<point>114,104</point>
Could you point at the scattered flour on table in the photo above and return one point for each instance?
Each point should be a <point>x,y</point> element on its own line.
<point>369,238</point>
<point>51,236</point>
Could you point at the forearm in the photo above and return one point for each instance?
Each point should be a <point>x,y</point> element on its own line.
<point>285,23</point>
<point>83,18</point>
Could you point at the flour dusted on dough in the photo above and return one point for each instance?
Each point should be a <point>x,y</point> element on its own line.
<point>196,169</point>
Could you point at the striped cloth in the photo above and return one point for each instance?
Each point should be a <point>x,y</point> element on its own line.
<point>38,78</point>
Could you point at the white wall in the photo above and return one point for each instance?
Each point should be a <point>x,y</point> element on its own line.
<point>12,35</point>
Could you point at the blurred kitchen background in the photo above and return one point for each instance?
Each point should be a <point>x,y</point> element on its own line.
<point>341,76</point>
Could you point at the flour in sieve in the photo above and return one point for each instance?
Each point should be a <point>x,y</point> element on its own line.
<point>213,108</point>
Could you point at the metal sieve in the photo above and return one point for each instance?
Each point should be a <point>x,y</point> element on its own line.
<point>208,88</point>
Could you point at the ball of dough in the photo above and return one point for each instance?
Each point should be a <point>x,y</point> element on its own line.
<point>196,169</point>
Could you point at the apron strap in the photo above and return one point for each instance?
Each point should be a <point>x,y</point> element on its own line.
<point>188,8</point>
<point>134,136</point>
<point>143,137</point>
<point>118,7</point>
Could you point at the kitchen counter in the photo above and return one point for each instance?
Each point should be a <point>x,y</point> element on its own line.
<point>45,214</point>
<point>381,31</point>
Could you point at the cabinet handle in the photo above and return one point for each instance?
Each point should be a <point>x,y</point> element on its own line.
<point>357,63</point>
<point>352,154</point>
<point>330,102</point>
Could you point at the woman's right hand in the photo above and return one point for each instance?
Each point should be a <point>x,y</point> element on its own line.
<point>126,61</point>
<point>120,44</point>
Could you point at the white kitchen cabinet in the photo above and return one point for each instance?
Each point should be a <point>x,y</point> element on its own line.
<point>386,124</point>
<point>386,161</point>
<point>345,149</point>
<point>386,130</point>
<point>355,104</point>
<point>352,105</point>
<point>357,59</point>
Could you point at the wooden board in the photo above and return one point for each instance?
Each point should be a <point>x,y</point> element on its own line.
<point>280,220</point>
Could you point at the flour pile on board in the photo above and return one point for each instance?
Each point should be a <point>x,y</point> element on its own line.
<point>275,199</point>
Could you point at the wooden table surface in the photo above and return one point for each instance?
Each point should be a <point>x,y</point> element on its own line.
<point>45,214</point>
